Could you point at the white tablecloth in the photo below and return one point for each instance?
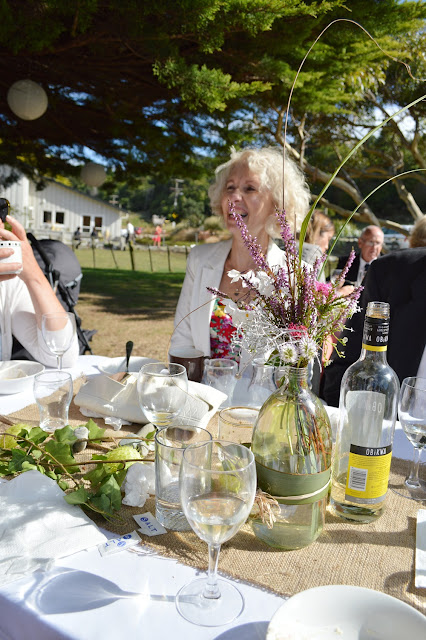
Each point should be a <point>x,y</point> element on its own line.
<point>127,595</point>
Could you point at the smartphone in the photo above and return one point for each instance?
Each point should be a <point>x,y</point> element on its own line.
<point>4,209</point>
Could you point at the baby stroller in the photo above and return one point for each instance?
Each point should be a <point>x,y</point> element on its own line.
<point>62,269</point>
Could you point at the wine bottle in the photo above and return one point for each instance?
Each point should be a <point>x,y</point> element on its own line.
<point>368,408</point>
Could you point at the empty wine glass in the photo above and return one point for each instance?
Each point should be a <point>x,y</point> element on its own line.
<point>162,391</point>
<point>217,488</point>
<point>58,330</point>
<point>412,416</point>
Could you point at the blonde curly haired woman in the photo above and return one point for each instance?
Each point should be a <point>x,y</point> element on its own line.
<point>252,181</point>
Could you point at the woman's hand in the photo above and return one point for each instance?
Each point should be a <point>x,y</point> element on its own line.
<point>29,265</point>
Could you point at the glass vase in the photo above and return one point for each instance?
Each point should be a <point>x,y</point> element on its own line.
<point>292,446</point>
<point>262,383</point>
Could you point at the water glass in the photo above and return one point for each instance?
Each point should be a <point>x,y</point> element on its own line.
<point>53,393</point>
<point>162,391</point>
<point>170,443</point>
<point>220,373</point>
<point>236,424</point>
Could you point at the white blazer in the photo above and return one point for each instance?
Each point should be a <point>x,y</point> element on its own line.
<point>194,309</point>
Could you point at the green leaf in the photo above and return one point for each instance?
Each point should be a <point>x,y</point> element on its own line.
<point>95,432</point>
<point>4,470</point>
<point>63,485</point>
<point>120,476</point>
<point>80,496</point>
<point>27,465</point>
<point>65,435</point>
<point>102,503</point>
<point>51,474</point>
<point>18,458</point>
<point>111,488</point>
<point>62,453</point>
<point>37,435</point>
<point>96,476</point>
<point>36,454</point>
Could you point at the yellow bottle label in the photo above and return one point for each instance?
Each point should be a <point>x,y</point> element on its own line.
<point>368,474</point>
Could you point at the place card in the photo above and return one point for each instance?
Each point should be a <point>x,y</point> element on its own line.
<point>149,525</point>
<point>420,580</point>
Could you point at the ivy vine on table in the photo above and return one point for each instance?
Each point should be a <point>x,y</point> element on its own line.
<point>24,448</point>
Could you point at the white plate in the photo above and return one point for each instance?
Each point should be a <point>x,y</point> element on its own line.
<point>18,375</point>
<point>344,612</point>
<point>119,364</point>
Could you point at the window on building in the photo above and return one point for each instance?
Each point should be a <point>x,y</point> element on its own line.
<point>98,223</point>
<point>86,223</point>
<point>47,217</point>
<point>60,217</point>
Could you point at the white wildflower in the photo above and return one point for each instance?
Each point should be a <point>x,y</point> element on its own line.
<point>288,353</point>
<point>234,275</point>
<point>265,285</point>
<point>308,347</point>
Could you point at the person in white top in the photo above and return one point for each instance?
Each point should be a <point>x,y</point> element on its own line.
<point>24,298</point>
<point>252,180</point>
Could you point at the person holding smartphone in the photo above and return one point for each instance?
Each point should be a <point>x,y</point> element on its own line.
<point>25,295</point>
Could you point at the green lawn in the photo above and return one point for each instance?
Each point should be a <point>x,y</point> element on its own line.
<point>152,260</point>
<point>121,292</point>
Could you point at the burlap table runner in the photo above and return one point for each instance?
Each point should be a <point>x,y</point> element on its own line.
<point>379,555</point>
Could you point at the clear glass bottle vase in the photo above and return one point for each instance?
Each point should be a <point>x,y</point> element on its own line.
<point>261,384</point>
<point>292,446</point>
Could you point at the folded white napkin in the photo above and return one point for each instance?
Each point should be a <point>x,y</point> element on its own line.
<point>106,397</point>
<point>37,526</point>
<point>420,580</point>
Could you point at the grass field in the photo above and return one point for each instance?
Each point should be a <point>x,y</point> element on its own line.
<point>146,259</point>
<point>129,305</point>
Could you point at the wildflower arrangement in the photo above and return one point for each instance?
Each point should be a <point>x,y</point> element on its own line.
<point>287,314</point>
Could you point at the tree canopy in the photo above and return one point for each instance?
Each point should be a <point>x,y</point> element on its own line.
<point>152,87</point>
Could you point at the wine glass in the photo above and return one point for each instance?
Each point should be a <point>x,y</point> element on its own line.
<point>412,416</point>
<point>162,391</point>
<point>217,489</point>
<point>58,330</point>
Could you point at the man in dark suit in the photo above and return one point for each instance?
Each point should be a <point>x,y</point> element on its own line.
<point>370,243</point>
<point>398,278</point>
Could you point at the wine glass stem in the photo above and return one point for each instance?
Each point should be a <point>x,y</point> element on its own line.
<point>413,478</point>
<point>59,361</point>
<point>211,589</point>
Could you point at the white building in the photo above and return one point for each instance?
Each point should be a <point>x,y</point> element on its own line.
<point>57,211</point>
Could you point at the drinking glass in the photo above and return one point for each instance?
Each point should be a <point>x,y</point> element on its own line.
<point>162,391</point>
<point>217,489</point>
<point>58,330</point>
<point>236,424</point>
<point>170,443</point>
<point>412,416</point>
<point>53,394</point>
<point>220,373</point>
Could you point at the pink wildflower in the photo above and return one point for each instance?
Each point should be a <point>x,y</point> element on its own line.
<point>297,330</point>
<point>323,287</point>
